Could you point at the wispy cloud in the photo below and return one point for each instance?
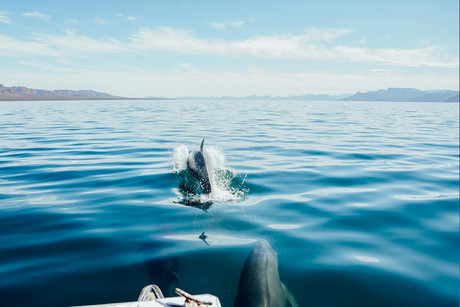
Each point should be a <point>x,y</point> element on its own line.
<point>128,18</point>
<point>323,34</point>
<point>284,46</point>
<point>4,18</point>
<point>42,66</point>
<point>428,56</point>
<point>100,20</point>
<point>71,43</point>
<point>10,46</point>
<point>380,70</point>
<point>185,66</point>
<point>360,41</point>
<point>36,14</point>
<point>311,44</point>
<point>73,21</point>
<point>68,44</point>
<point>228,24</point>
<point>121,67</point>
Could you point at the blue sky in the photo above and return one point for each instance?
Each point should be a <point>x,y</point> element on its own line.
<point>234,48</point>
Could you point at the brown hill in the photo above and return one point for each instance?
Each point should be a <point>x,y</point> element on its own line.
<point>24,93</point>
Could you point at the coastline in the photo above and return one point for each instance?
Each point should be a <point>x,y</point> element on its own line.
<point>77,98</point>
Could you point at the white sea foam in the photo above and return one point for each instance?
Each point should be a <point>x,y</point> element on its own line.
<point>225,182</point>
<point>179,159</point>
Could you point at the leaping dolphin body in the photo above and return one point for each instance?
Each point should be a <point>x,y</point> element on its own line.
<point>197,165</point>
<point>260,284</point>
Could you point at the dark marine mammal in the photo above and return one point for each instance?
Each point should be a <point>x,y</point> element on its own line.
<point>260,284</point>
<point>197,166</point>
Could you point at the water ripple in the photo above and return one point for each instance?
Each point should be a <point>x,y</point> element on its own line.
<point>359,200</point>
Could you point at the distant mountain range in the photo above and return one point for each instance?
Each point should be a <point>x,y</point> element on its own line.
<point>406,94</point>
<point>391,94</point>
<point>24,93</point>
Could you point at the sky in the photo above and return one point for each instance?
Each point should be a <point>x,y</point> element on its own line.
<point>229,48</point>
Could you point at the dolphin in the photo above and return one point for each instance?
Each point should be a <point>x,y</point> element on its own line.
<point>260,284</point>
<point>197,165</point>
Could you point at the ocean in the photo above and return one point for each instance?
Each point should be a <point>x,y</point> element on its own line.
<point>360,200</point>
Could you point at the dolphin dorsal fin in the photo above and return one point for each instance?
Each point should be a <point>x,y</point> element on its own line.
<point>201,147</point>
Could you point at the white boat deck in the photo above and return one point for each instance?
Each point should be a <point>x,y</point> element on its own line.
<point>164,302</point>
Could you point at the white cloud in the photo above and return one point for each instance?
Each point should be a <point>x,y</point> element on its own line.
<point>327,35</point>
<point>73,21</point>
<point>185,66</point>
<point>64,61</point>
<point>10,46</point>
<point>379,70</point>
<point>73,43</point>
<point>36,14</point>
<point>360,41</point>
<point>100,20</point>
<point>4,17</point>
<point>311,44</point>
<point>42,66</point>
<point>428,56</point>
<point>307,46</point>
<point>274,46</point>
<point>128,18</point>
<point>228,24</point>
<point>59,45</point>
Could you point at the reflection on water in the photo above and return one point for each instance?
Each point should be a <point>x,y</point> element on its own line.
<point>212,239</point>
<point>366,259</point>
<point>359,202</point>
<point>283,226</point>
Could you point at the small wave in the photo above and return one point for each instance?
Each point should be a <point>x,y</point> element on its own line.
<point>227,185</point>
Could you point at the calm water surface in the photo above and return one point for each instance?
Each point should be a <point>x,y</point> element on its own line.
<point>359,199</point>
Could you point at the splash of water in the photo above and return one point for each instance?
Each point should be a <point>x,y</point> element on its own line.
<point>227,185</point>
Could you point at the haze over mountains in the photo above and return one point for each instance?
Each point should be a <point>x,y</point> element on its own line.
<point>406,94</point>
<point>392,94</point>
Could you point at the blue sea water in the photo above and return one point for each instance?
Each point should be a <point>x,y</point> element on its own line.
<point>359,199</point>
